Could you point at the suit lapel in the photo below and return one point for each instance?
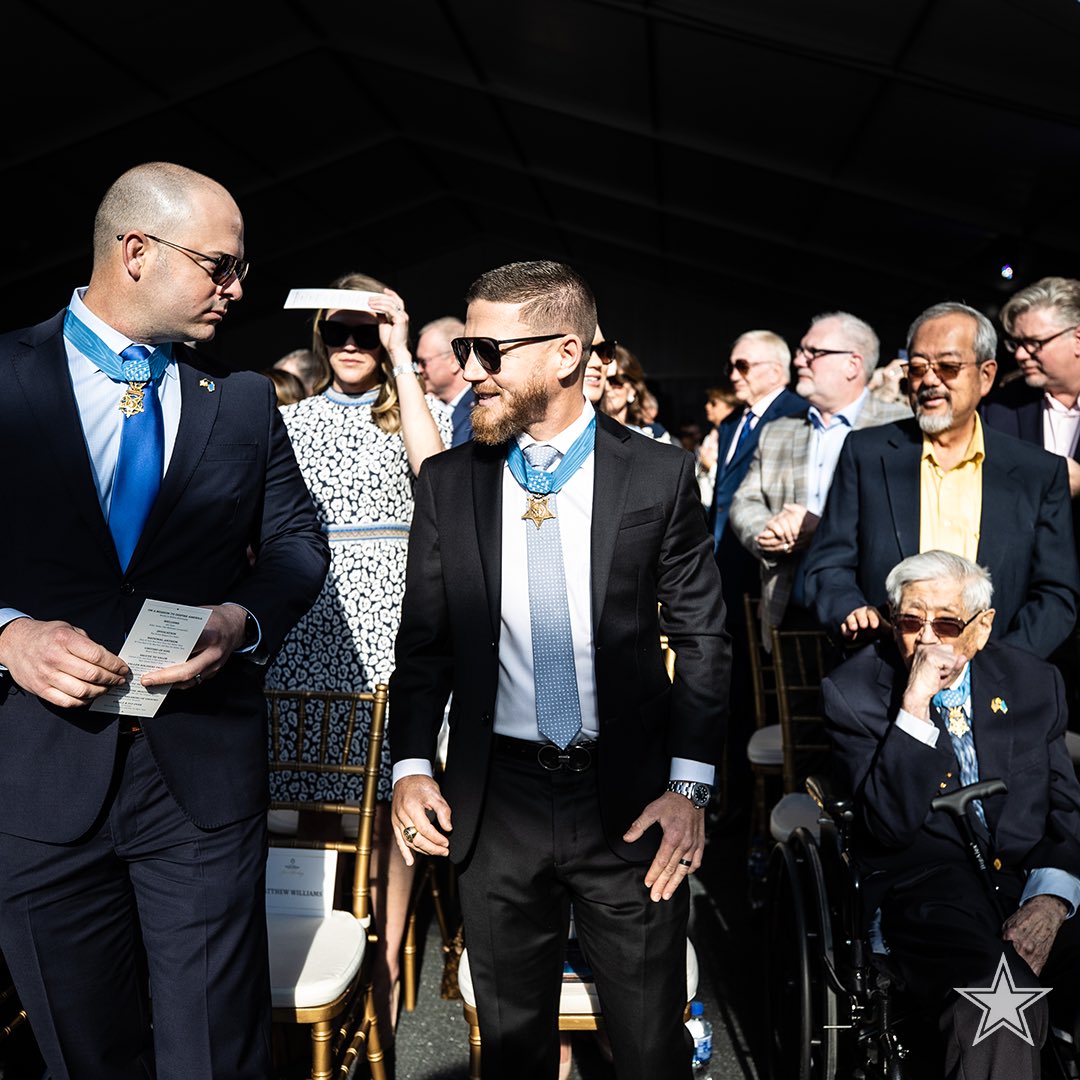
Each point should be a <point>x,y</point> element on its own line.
<point>998,485</point>
<point>799,456</point>
<point>992,730</point>
<point>611,481</point>
<point>487,485</point>
<point>42,373</point>
<point>900,473</point>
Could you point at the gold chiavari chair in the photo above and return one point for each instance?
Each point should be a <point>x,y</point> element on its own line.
<point>320,964</point>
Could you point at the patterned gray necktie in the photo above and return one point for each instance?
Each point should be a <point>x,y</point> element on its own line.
<point>558,710</point>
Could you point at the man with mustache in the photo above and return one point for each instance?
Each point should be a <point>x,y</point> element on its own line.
<point>575,770</point>
<point>943,480</point>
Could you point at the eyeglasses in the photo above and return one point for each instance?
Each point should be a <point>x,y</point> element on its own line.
<point>1032,345</point>
<point>944,627</point>
<point>813,355</point>
<point>743,366</point>
<point>488,349</point>
<point>945,370</point>
<point>335,334</point>
<point>616,381</point>
<point>225,267</point>
<point>605,350</point>
<point>423,361</point>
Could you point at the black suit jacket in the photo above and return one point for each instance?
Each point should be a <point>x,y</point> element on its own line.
<point>871,522</point>
<point>648,545</point>
<point>232,481</point>
<point>894,777</point>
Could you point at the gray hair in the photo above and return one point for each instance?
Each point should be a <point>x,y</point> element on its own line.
<point>1059,293</point>
<point>780,348</point>
<point>858,333</point>
<point>936,565</point>
<point>985,334</point>
<point>448,325</point>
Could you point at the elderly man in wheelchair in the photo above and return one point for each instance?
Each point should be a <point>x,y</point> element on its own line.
<point>973,908</point>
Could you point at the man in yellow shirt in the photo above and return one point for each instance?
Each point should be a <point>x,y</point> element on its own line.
<point>944,481</point>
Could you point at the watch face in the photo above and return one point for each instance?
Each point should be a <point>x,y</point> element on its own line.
<point>699,794</point>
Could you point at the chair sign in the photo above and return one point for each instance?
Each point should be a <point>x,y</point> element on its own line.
<point>300,882</point>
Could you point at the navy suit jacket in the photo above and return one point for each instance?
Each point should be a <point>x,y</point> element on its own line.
<point>232,481</point>
<point>648,544</point>
<point>730,476</point>
<point>462,418</point>
<point>871,522</point>
<point>894,777</point>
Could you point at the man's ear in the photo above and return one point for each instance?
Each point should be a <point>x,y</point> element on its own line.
<point>984,625</point>
<point>570,357</point>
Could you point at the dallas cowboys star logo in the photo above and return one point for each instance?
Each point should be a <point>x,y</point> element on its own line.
<point>1002,1004</point>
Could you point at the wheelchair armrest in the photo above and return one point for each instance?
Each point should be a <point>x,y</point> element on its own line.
<point>841,808</point>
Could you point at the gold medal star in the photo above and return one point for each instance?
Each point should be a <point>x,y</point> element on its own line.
<point>957,722</point>
<point>538,511</point>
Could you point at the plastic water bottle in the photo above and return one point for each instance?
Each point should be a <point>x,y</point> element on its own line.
<point>701,1030</point>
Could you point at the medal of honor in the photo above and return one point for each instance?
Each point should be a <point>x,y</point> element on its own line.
<point>131,404</point>
<point>537,510</point>
<point>957,722</point>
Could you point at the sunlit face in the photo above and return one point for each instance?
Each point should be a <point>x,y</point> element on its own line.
<point>1055,366</point>
<point>948,404</point>
<point>717,411</point>
<point>595,373</point>
<point>355,368</point>
<point>943,598</point>
<point>835,378</point>
<point>517,395</point>
<point>763,372</point>
<point>434,357</point>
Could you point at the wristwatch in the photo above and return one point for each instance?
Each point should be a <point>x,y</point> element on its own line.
<point>698,794</point>
<point>251,630</point>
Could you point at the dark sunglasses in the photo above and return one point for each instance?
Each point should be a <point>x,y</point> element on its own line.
<point>743,366</point>
<point>616,380</point>
<point>224,270</point>
<point>335,334</point>
<point>946,370</point>
<point>488,349</point>
<point>605,350</point>
<point>944,627</point>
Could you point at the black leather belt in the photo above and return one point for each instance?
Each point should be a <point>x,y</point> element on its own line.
<point>130,726</point>
<point>575,758</point>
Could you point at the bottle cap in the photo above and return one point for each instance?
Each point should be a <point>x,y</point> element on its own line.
<point>696,1008</point>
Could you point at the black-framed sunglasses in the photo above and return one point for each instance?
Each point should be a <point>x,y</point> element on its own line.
<point>488,350</point>
<point>617,380</point>
<point>813,355</point>
<point>743,366</point>
<point>605,350</point>
<point>224,270</point>
<point>944,627</point>
<point>335,334</point>
<point>1032,345</point>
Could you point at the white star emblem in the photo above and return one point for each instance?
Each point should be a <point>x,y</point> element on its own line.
<point>1002,1004</point>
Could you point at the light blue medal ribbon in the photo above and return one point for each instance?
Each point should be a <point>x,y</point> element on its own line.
<point>129,371</point>
<point>538,482</point>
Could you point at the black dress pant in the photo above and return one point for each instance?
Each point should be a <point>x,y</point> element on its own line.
<point>539,848</point>
<point>147,913</point>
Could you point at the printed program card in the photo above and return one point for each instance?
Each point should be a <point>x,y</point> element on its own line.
<point>343,299</point>
<point>300,882</point>
<point>163,634</point>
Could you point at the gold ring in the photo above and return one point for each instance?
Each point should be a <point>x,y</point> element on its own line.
<point>409,832</point>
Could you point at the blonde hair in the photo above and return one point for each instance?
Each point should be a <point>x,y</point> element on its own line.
<point>386,412</point>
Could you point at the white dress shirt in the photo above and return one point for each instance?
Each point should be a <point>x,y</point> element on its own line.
<point>1061,426</point>
<point>752,416</point>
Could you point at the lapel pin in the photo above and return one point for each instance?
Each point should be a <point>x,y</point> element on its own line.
<point>999,705</point>
<point>208,385</point>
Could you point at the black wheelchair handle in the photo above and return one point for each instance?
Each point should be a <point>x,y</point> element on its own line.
<point>822,792</point>
<point>956,802</point>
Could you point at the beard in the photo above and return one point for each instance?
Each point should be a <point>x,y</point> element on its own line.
<point>515,411</point>
<point>937,423</point>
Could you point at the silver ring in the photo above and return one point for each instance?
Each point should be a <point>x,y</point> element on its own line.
<point>409,832</point>
<point>685,862</point>
<point>198,680</point>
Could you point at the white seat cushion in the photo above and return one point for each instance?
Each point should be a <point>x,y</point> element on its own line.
<point>578,996</point>
<point>286,822</point>
<point>766,746</point>
<point>792,811</point>
<point>313,960</point>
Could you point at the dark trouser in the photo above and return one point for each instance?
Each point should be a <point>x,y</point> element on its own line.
<point>540,847</point>
<point>145,899</point>
<point>943,933</point>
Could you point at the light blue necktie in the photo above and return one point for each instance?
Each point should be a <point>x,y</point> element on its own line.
<point>963,745</point>
<point>558,709</point>
<point>140,461</point>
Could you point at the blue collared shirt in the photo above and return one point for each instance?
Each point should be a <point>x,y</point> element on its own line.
<point>826,442</point>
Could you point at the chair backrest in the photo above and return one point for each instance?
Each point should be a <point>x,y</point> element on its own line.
<point>762,674</point>
<point>801,659</point>
<point>323,739</point>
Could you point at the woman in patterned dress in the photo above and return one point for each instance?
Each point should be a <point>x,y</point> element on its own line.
<point>360,440</point>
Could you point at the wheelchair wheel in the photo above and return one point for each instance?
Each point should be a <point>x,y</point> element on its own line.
<point>801,1002</point>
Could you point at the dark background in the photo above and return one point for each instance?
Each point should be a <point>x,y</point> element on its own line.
<point>710,166</point>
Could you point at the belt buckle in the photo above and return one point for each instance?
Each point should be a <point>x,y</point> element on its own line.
<point>573,758</point>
